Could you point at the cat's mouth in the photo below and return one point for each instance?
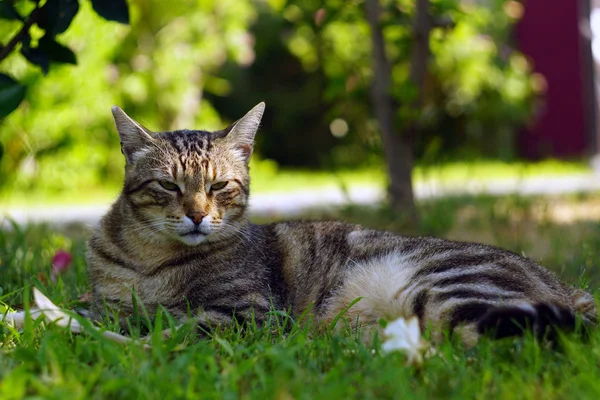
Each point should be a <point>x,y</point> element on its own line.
<point>192,234</point>
<point>193,237</point>
<point>196,232</point>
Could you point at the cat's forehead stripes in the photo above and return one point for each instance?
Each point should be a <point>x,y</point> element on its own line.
<point>187,141</point>
<point>192,162</point>
<point>191,141</point>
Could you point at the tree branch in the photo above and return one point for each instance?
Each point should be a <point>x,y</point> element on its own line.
<point>6,50</point>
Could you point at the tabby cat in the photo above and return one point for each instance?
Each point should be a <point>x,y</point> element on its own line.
<point>179,236</point>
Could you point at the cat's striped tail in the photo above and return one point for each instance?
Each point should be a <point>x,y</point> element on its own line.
<point>543,319</point>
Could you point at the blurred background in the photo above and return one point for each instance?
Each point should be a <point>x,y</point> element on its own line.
<point>469,119</point>
<point>373,94</point>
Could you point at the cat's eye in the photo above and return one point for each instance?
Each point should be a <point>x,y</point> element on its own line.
<point>169,185</point>
<point>218,185</point>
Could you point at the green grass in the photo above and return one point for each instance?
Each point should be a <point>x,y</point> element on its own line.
<point>268,178</point>
<point>484,170</point>
<point>45,361</point>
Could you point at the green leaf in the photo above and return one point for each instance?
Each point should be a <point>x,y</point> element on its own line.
<point>344,311</point>
<point>56,15</point>
<point>226,346</point>
<point>12,94</point>
<point>38,57</point>
<point>112,10</point>
<point>9,12</point>
<point>56,51</point>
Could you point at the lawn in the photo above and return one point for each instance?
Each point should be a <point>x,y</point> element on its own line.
<point>273,362</point>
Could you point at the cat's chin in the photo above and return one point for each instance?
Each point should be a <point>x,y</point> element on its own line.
<point>193,239</point>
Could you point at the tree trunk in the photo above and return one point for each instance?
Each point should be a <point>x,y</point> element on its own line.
<point>419,59</point>
<point>398,149</point>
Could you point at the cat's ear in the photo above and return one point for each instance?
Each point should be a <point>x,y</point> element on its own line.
<point>240,135</point>
<point>134,137</point>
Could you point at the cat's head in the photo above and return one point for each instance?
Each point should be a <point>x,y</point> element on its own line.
<point>188,186</point>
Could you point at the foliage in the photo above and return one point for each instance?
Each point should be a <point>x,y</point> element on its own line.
<point>63,135</point>
<point>203,63</point>
<point>475,94</point>
<point>479,90</point>
<point>50,19</point>
<point>296,361</point>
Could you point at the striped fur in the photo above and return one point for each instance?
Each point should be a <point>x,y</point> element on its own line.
<point>222,267</point>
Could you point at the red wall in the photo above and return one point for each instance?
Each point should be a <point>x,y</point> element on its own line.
<point>549,35</point>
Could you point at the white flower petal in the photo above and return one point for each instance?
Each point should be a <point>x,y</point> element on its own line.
<point>57,315</point>
<point>17,318</point>
<point>397,342</point>
<point>392,345</point>
<point>53,313</point>
<point>414,332</point>
<point>406,337</point>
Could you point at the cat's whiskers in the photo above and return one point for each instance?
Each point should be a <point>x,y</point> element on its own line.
<point>226,227</point>
<point>243,234</point>
<point>224,231</point>
<point>147,224</point>
<point>150,228</point>
<point>151,234</point>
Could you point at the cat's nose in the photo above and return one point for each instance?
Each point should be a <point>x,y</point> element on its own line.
<point>196,216</point>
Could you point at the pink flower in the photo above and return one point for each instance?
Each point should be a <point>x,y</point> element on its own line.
<point>61,262</point>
